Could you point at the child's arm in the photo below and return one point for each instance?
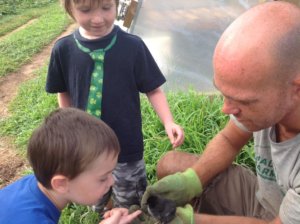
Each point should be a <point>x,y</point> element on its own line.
<point>159,102</point>
<point>64,99</point>
<point>119,216</point>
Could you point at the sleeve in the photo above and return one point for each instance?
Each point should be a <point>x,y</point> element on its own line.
<point>55,81</point>
<point>147,73</point>
<point>289,212</point>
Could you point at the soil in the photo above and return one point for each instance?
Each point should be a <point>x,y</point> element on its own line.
<point>12,163</point>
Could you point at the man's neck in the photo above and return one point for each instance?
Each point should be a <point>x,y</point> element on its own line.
<point>288,127</point>
<point>282,134</point>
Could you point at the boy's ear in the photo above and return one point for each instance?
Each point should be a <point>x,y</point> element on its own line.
<point>60,183</point>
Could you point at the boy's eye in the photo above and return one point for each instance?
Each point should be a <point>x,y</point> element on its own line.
<point>84,10</point>
<point>107,7</point>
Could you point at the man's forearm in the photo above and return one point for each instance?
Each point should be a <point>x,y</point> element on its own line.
<point>220,152</point>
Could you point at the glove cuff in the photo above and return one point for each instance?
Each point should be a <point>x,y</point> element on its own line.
<point>193,180</point>
<point>185,214</point>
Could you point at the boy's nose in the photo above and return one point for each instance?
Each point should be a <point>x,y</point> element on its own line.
<point>111,180</point>
<point>97,17</point>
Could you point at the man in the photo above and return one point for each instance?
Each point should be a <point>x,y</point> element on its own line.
<point>257,70</point>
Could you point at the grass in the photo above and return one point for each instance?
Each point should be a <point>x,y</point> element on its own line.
<point>74,214</point>
<point>18,48</point>
<point>12,22</point>
<point>15,7</point>
<point>30,106</point>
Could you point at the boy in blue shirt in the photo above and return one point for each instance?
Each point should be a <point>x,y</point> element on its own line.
<point>72,155</point>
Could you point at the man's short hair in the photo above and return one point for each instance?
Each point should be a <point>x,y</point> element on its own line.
<point>67,142</point>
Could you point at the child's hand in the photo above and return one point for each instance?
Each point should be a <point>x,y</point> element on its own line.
<point>119,216</point>
<point>175,134</point>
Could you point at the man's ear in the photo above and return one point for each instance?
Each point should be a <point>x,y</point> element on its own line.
<point>60,183</point>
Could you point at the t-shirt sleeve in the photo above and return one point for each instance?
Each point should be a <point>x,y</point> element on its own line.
<point>290,208</point>
<point>55,80</point>
<point>147,72</point>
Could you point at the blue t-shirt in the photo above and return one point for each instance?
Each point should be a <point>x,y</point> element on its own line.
<point>23,202</point>
<point>129,69</point>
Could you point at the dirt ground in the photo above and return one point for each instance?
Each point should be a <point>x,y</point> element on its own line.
<point>12,163</point>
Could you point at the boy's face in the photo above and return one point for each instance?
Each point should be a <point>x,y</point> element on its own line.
<point>95,20</point>
<point>90,186</point>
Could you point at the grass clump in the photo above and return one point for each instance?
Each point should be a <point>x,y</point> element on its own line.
<point>14,7</point>
<point>12,22</point>
<point>77,214</point>
<point>198,114</point>
<point>17,49</point>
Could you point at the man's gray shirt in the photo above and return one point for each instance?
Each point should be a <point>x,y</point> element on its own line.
<point>278,172</point>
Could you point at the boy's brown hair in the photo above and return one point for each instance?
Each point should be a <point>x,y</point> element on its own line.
<point>67,142</point>
<point>67,4</point>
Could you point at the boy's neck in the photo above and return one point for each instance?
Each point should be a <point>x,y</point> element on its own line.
<point>58,200</point>
<point>84,34</point>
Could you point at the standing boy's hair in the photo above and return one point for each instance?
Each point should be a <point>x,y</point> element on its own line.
<point>67,4</point>
<point>67,142</point>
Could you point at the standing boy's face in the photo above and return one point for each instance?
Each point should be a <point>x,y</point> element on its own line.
<point>90,186</point>
<point>95,20</point>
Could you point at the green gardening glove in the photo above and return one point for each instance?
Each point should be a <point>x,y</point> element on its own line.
<point>180,187</point>
<point>184,215</point>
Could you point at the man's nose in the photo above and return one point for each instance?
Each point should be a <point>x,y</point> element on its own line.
<point>229,107</point>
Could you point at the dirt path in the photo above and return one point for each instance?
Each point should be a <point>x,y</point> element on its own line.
<point>12,164</point>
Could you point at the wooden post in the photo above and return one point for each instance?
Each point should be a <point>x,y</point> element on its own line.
<point>130,13</point>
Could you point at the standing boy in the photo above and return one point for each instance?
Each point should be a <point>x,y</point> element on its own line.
<point>102,69</point>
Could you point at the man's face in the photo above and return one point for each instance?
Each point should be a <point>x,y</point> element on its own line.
<point>248,68</point>
<point>91,185</point>
<point>257,102</point>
